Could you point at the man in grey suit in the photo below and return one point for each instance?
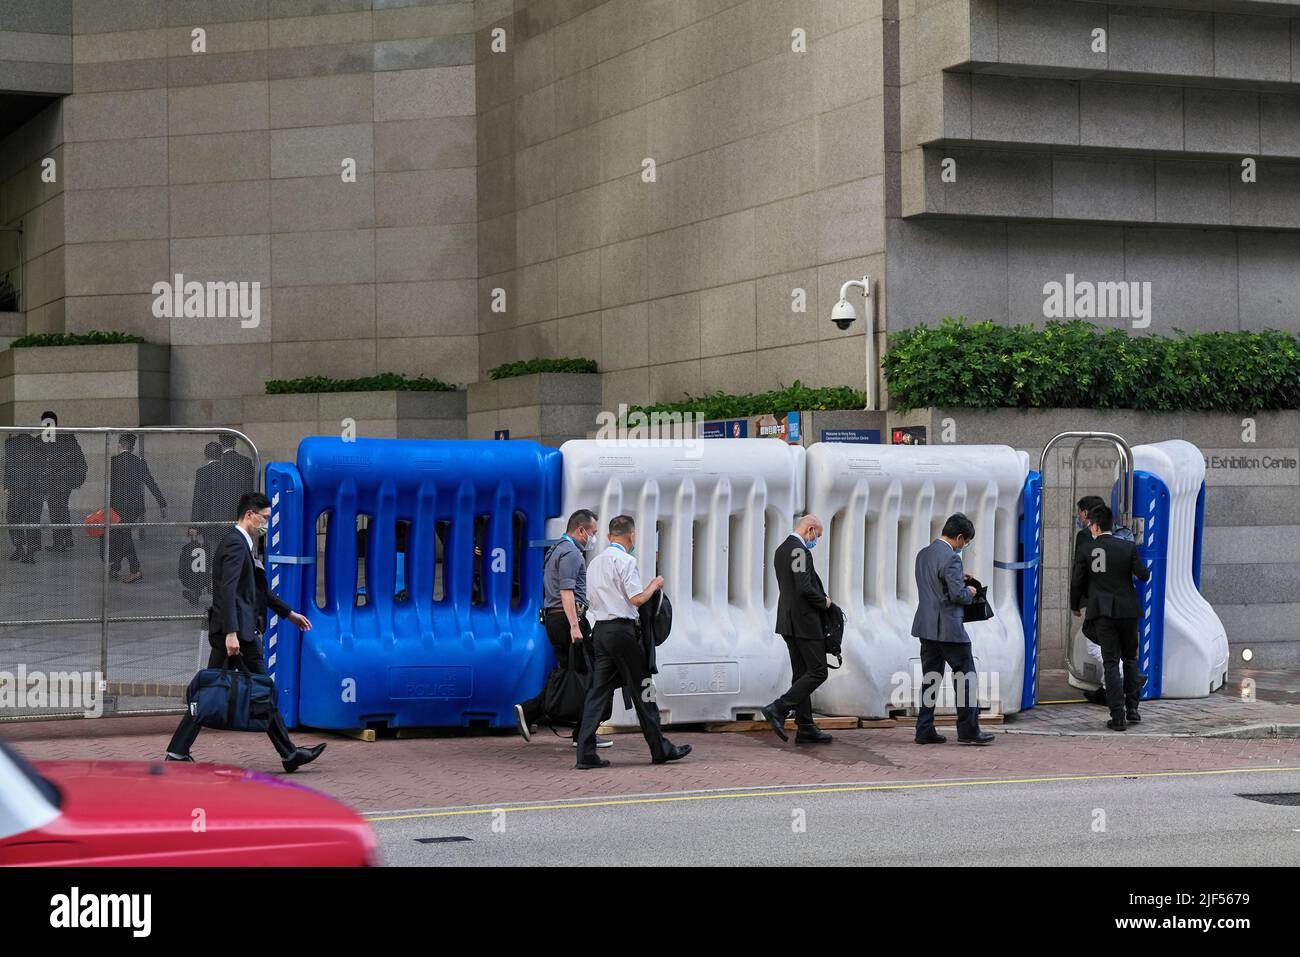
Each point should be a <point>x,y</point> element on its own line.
<point>943,594</point>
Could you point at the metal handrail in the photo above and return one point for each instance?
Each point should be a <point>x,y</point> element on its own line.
<point>1126,503</point>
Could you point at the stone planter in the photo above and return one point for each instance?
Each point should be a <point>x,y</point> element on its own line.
<point>13,325</point>
<point>277,423</point>
<point>120,385</point>
<point>550,407</point>
<point>1252,507</point>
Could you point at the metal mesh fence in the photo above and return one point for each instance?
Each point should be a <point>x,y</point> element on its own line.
<point>110,540</point>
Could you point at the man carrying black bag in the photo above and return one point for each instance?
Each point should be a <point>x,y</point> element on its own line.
<point>564,615</point>
<point>235,621</point>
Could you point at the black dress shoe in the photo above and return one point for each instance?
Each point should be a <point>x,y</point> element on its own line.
<point>813,735</point>
<point>1117,724</point>
<point>984,737</point>
<point>179,757</point>
<point>302,756</point>
<point>777,722</point>
<point>934,737</point>
<point>675,752</point>
<point>1133,717</point>
<point>1095,697</point>
<point>589,765</point>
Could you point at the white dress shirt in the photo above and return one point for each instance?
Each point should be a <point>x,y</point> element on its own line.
<point>612,579</point>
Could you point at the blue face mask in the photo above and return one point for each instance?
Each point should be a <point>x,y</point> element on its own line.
<point>1079,523</point>
<point>812,543</point>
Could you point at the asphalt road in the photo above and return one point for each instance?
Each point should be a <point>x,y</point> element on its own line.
<point>1172,818</point>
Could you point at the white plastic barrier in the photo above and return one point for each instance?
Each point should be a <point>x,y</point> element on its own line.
<point>714,512</point>
<point>1195,660</point>
<point>880,505</point>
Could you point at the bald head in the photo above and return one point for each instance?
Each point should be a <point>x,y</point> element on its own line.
<point>808,528</point>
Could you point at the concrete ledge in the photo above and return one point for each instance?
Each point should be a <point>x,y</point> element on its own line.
<point>550,407</point>
<point>126,384</point>
<point>277,423</point>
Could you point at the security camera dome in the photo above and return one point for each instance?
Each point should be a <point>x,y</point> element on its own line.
<point>844,315</point>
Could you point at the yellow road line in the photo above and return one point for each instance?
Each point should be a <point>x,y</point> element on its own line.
<point>839,789</point>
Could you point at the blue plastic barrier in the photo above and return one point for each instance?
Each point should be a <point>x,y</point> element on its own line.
<point>1151,505</point>
<point>455,641</point>
<point>1030,579</point>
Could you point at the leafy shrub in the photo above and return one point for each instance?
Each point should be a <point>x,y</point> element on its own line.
<point>92,338</point>
<point>796,398</point>
<point>1075,364</point>
<point>531,366</point>
<point>387,381</point>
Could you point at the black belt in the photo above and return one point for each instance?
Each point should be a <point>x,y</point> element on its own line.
<point>580,608</point>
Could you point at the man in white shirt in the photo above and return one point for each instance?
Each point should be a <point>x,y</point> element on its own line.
<point>615,595</point>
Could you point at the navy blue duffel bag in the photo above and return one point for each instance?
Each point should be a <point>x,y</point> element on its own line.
<point>230,700</point>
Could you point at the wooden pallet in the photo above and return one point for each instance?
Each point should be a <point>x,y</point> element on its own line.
<point>946,720</point>
<point>360,734</point>
<point>824,722</point>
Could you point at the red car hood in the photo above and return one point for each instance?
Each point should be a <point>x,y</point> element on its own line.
<point>172,813</point>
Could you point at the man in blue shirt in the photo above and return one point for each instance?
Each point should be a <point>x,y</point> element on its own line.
<point>564,610</point>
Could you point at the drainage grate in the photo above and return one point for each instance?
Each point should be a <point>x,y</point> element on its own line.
<point>1291,799</point>
<point>441,840</point>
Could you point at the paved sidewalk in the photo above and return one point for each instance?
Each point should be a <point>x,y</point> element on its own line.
<point>1274,709</point>
<point>500,768</point>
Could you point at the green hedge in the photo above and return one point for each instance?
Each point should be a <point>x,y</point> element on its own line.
<point>388,381</point>
<point>92,338</point>
<point>1068,365</point>
<point>531,366</point>
<point>796,398</point>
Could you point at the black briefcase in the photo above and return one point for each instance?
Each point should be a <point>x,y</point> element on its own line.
<point>566,688</point>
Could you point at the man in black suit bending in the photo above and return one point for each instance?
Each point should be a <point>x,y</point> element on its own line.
<point>799,609</point>
<point>1102,578</point>
<point>235,622</point>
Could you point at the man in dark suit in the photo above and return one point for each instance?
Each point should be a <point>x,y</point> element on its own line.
<point>22,480</point>
<point>65,472</point>
<point>1102,580</point>
<point>203,510</point>
<point>128,477</point>
<point>799,608</point>
<point>235,622</point>
<point>942,594</point>
<point>234,479</point>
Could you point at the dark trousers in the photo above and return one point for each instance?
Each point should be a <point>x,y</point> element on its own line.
<point>557,631</point>
<point>808,668</point>
<point>619,662</point>
<point>1118,640</point>
<point>121,545</point>
<point>22,509</point>
<point>251,652</point>
<point>60,515</point>
<point>957,656</point>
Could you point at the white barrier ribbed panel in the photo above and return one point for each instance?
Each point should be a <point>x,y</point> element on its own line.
<point>715,512</point>
<point>880,505</point>
<point>1195,641</point>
